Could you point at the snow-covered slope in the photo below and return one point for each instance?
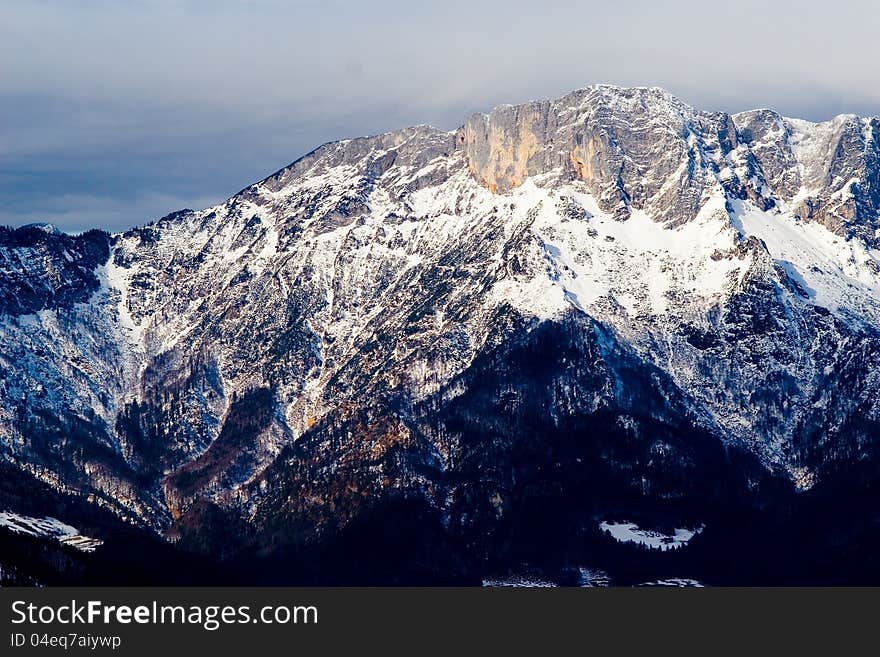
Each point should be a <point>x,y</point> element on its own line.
<point>49,528</point>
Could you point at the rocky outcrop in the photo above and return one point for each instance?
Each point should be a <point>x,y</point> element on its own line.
<point>635,148</point>
<point>644,149</point>
<point>827,172</point>
<point>42,269</point>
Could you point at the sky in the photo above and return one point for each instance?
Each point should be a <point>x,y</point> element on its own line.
<point>116,112</point>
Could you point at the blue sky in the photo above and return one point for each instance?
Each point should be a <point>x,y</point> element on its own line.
<point>116,113</point>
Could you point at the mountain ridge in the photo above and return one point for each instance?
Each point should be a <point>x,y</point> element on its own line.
<point>611,286</point>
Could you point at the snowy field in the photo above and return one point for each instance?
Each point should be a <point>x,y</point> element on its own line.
<point>48,528</point>
<point>676,582</point>
<point>518,581</point>
<point>629,532</point>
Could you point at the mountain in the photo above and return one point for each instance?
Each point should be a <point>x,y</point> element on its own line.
<point>432,356</point>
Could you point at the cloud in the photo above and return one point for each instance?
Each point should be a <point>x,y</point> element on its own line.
<point>79,212</point>
<point>191,100</point>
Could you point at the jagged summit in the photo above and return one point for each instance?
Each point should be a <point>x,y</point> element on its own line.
<point>644,149</point>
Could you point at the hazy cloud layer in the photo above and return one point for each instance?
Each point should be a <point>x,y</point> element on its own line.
<point>116,113</point>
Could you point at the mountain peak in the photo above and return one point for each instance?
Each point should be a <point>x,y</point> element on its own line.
<point>46,227</point>
<point>646,302</point>
<point>641,148</point>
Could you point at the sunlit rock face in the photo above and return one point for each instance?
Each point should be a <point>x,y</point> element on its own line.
<point>634,148</point>
<point>606,300</point>
<point>643,148</point>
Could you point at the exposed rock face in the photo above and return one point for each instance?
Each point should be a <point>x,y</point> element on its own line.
<point>601,303</point>
<point>644,149</point>
<point>635,148</point>
<point>827,172</point>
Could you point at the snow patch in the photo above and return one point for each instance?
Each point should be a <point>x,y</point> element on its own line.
<point>676,582</point>
<point>48,528</point>
<point>518,581</point>
<point>629,532</point>
<point>114,281</point>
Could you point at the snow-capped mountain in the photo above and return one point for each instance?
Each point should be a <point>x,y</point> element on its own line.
<point>606,303</point>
